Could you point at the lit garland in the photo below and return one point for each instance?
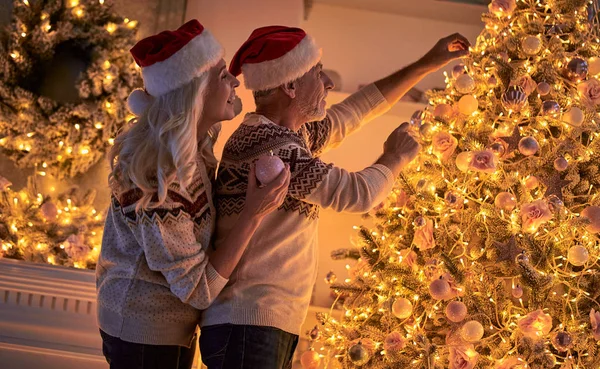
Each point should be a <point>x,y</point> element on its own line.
<point>64,139</point>
<point>59,229</point>
<point>486,255</point>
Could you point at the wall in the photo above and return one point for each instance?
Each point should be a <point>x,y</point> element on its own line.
<point>365,45</point>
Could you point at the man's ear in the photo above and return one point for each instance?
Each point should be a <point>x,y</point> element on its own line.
<point>290,89</point>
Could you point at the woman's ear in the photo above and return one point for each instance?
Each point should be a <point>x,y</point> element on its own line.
<point>290,88</point>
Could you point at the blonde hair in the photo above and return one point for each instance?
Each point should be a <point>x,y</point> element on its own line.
<point>161,146</point>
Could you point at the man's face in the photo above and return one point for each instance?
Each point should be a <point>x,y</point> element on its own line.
<point>312,89</point>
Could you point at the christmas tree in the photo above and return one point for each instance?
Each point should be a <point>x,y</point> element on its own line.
<point>486,254</point>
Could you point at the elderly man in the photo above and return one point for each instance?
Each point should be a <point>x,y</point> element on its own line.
<point>255,322</point>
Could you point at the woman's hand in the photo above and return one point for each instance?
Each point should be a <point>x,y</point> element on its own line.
<point>261,201</point>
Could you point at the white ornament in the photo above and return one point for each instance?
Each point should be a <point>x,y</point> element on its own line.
<point>543,88</point>
<point>578,255</point>
<point>561,164</point>
<point>594,66</point>
<point>442,111</point>
<point>464,84</point>
<point>517,291</point>
<point>468,104</point>
<point>528,146</point>
<point>268,167</point>
<point>456,311</point>
<point>402,308</point>
<point>472,331</point>
<point>531,45</point>
<point>593,214</point>
<point>505,201</point>
<point>574,117</point>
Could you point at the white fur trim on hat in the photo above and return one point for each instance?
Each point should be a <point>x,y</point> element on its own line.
<point>287,68</point>
<point>196,57</point>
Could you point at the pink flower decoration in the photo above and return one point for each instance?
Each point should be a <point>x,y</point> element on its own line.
<point>423,238</point>
<point>444,144</point>
<point>502,7</point>
<point>526,82</point>
<point>409,258</point>
<point>394,342</point>
<point>511,363</point>
<point>4,184</point>
<point>483,161</point>
<point>535,324</point>
<point>595,322</point>
<point>590,91</point>
<point>75,248</point>
<point>462,356</point>
<point>534,215</point>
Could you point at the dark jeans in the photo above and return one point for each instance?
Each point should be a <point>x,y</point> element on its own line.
<point>127,355</point>
<point>228,346</point>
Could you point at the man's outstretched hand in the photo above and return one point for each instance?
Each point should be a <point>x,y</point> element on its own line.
<point>446,50</point>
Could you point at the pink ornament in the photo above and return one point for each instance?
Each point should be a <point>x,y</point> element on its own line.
<point>463,160</point>
<point>268,167</point>
<point>75,248</point>
<point>443,111</point>
<point>484,161</point>
<point>595,323</point>
<point>462,356</point>
<point>502,8</point>
<point>593,214</point>
<point>49,211</point>
<point>440,289</point>
<point>456,311</point>
<point>528,146</point>
<point>534,215</point>
<point>394,342</point>
<point>590,91</point>
<point>511,363</point>
<point>517,291</point>
<point>458,70</point>
<point>505,201</point>
<point>444,144</point>
<point>535,325</point>
<point>423,237</point>
<point>561,164</point>
<point>310,360</point>
<point>543,88</point>
<point>531,183</point>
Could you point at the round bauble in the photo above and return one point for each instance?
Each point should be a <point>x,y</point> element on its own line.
<point>49,211</point>
<point>358,354</point>
<point>543,88</point>
<point>456,311</point>
<point>420,222</point>
<point>561,164</point>
<point>499,148</point>
<point>492,82</point>
<point>574,117</point>
<point>562,341</point>
<point>528,146</point>
<point>531,183</point>
<point>514,98</point>
<point>440,289</point>
<point>554,203</point>
<point>417,118</point>
<point>593,214</point>
<point>442,111</point>
<point>468,104</point>
<point>453,199</point>
<point>330,278</point>
<point>577,69</point>
<point>458,70</point>
<point>268,167</point>
<point>505,201</point>
<point>314,333</point>
<point>402,308</point>
<point>578,255</point>
<point>594,66</point>
<point>550,107</point>
<point>463,160</point>
<point>464,84</point>
<point>472,331</point>
<point>517,291</point>
<point>310,359</point>
<point>426,130</point>
<point>531,45</point>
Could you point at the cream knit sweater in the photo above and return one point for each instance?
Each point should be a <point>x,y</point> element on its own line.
<point>272,284</point>
<point>153,276</point>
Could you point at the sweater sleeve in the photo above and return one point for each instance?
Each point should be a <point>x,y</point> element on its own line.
<point>166,235</point>
<point>345,118</point>
<point>316,182</point>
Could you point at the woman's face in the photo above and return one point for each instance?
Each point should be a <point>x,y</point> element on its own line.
<point>220,95</point>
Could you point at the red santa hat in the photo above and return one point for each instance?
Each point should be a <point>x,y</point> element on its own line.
<point>273,56</point>
<point>172,59</point>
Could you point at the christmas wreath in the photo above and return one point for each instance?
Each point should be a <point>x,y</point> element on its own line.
<point>65,73</point>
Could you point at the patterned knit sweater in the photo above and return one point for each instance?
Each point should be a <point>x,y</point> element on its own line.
<point>153,276</point>
<point>272,284</point>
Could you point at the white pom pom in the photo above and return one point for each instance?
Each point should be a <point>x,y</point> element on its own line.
<point>138,101</point>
